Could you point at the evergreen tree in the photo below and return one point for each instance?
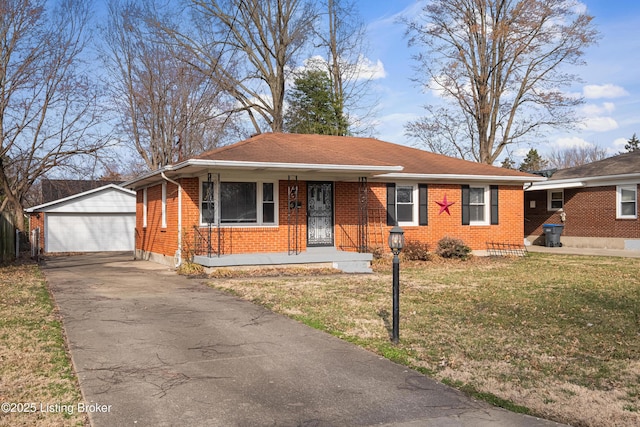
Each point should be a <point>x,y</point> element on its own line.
<point>533,162</point>
<point>312,108</point>
<point>508,163</point>
<point>633,144</point>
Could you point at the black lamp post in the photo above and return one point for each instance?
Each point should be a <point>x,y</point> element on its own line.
<point>396,243</point>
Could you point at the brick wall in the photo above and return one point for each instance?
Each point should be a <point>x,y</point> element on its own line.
<point>36,220</point>
<point>508,230</point>
<point>590,212</point>
<point>280,238</point>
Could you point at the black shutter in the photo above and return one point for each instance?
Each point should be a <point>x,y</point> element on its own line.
<point>494,205</point>
<point>466,213</point>
<point>422,204</point>
<point>391,204</point>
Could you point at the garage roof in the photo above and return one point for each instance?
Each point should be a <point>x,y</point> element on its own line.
<point>45,207</point>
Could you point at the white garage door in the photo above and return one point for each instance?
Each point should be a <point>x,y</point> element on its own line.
<point>89,232</point>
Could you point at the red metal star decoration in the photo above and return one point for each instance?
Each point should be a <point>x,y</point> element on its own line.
<point>444,205</point>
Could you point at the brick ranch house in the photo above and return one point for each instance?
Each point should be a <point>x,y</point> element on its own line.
<point>596,202</point>
<point>286,198</point>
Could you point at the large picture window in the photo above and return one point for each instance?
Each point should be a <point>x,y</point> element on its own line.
<point>238,202</point>
<point>627,201</point>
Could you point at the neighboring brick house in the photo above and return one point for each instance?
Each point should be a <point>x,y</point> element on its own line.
<point>288,198</point>
<point>596,202</point>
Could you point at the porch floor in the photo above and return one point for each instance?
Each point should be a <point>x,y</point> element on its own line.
<point>348,262</point>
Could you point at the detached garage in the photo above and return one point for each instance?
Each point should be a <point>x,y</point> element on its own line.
<point>102,219</point>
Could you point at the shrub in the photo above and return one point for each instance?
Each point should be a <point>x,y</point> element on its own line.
<point>377,251</point>
<point>449,247</point>
<point>415,250</point>
<point>190,269</point>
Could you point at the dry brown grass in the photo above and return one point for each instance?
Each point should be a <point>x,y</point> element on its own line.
<point>34,366</point>
<point>553,336</point>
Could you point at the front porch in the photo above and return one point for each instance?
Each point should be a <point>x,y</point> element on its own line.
<point>348,262</point>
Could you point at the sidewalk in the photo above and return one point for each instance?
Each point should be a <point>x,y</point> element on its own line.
<point>564,250</point>
<point>158,349</point>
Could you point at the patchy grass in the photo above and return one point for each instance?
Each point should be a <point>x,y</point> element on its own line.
<point>553,336</point>
<point>35,368</point>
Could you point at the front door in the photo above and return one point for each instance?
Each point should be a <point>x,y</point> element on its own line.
<point>319,214</point>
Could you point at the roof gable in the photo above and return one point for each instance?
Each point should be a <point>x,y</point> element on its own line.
<point>108,198</point>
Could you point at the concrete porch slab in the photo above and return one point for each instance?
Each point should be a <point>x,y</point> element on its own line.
<point>348,262</point>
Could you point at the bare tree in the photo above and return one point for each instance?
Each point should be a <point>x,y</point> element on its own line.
<point>48,108</point>
<point>342,39</point>
<point>498,66</point>
<point>576,156</point>
<point>249,47</point>
<point>168,109</point>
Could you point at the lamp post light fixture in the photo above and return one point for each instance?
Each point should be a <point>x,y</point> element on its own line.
<point>396,243</point>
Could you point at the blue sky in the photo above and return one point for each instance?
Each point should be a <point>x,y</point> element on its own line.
<point>610,84</point>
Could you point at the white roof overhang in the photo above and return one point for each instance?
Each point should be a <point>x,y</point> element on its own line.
<point>592,181</point>
<point>196,167</point>
<point>459,178</point>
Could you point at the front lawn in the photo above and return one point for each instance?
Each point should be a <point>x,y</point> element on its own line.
<point>37,383</point>
<point>553,336</point>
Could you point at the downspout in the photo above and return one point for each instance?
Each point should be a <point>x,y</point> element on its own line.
<point>178,255</point>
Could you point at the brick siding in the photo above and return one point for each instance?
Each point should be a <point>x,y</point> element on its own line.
<point>279,238</point>
<point>36,219</point>
<point>590,212</point>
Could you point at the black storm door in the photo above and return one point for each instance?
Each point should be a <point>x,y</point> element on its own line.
<point>319,214</point>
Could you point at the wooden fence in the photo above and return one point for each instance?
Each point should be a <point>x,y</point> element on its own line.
<point>7,238</point>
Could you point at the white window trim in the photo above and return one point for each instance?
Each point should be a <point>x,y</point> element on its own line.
<point>487,205</point>
<point>164,205</point>
<point>619,189</point>
<point>259,196</point>
<point>415,209</point>
<point>549,192</point>
<point>145,207</point>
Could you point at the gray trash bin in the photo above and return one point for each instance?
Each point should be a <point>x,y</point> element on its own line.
<point>552,234</point>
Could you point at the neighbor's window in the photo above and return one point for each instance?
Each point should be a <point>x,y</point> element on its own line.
<point>627,196</point>
<point>478,206</point>
<point>555,200</point>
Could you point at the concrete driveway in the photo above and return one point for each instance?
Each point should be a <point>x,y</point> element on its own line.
<point>152,348</point>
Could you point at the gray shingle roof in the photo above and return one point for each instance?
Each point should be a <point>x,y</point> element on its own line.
<point>622,164</point>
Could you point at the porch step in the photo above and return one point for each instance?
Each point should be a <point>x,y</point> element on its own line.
<point>348,262</point>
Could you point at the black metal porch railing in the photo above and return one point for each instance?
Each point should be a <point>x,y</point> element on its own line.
<point>208,242</point>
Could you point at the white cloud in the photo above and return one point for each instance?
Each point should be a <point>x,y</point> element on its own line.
<point>604,91</point>
<point>573,141</point>
<point>369,70</point>
<point>599,124</point>
<point>620,142</point>
<point>592,110</point>
<point>363,69</point>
